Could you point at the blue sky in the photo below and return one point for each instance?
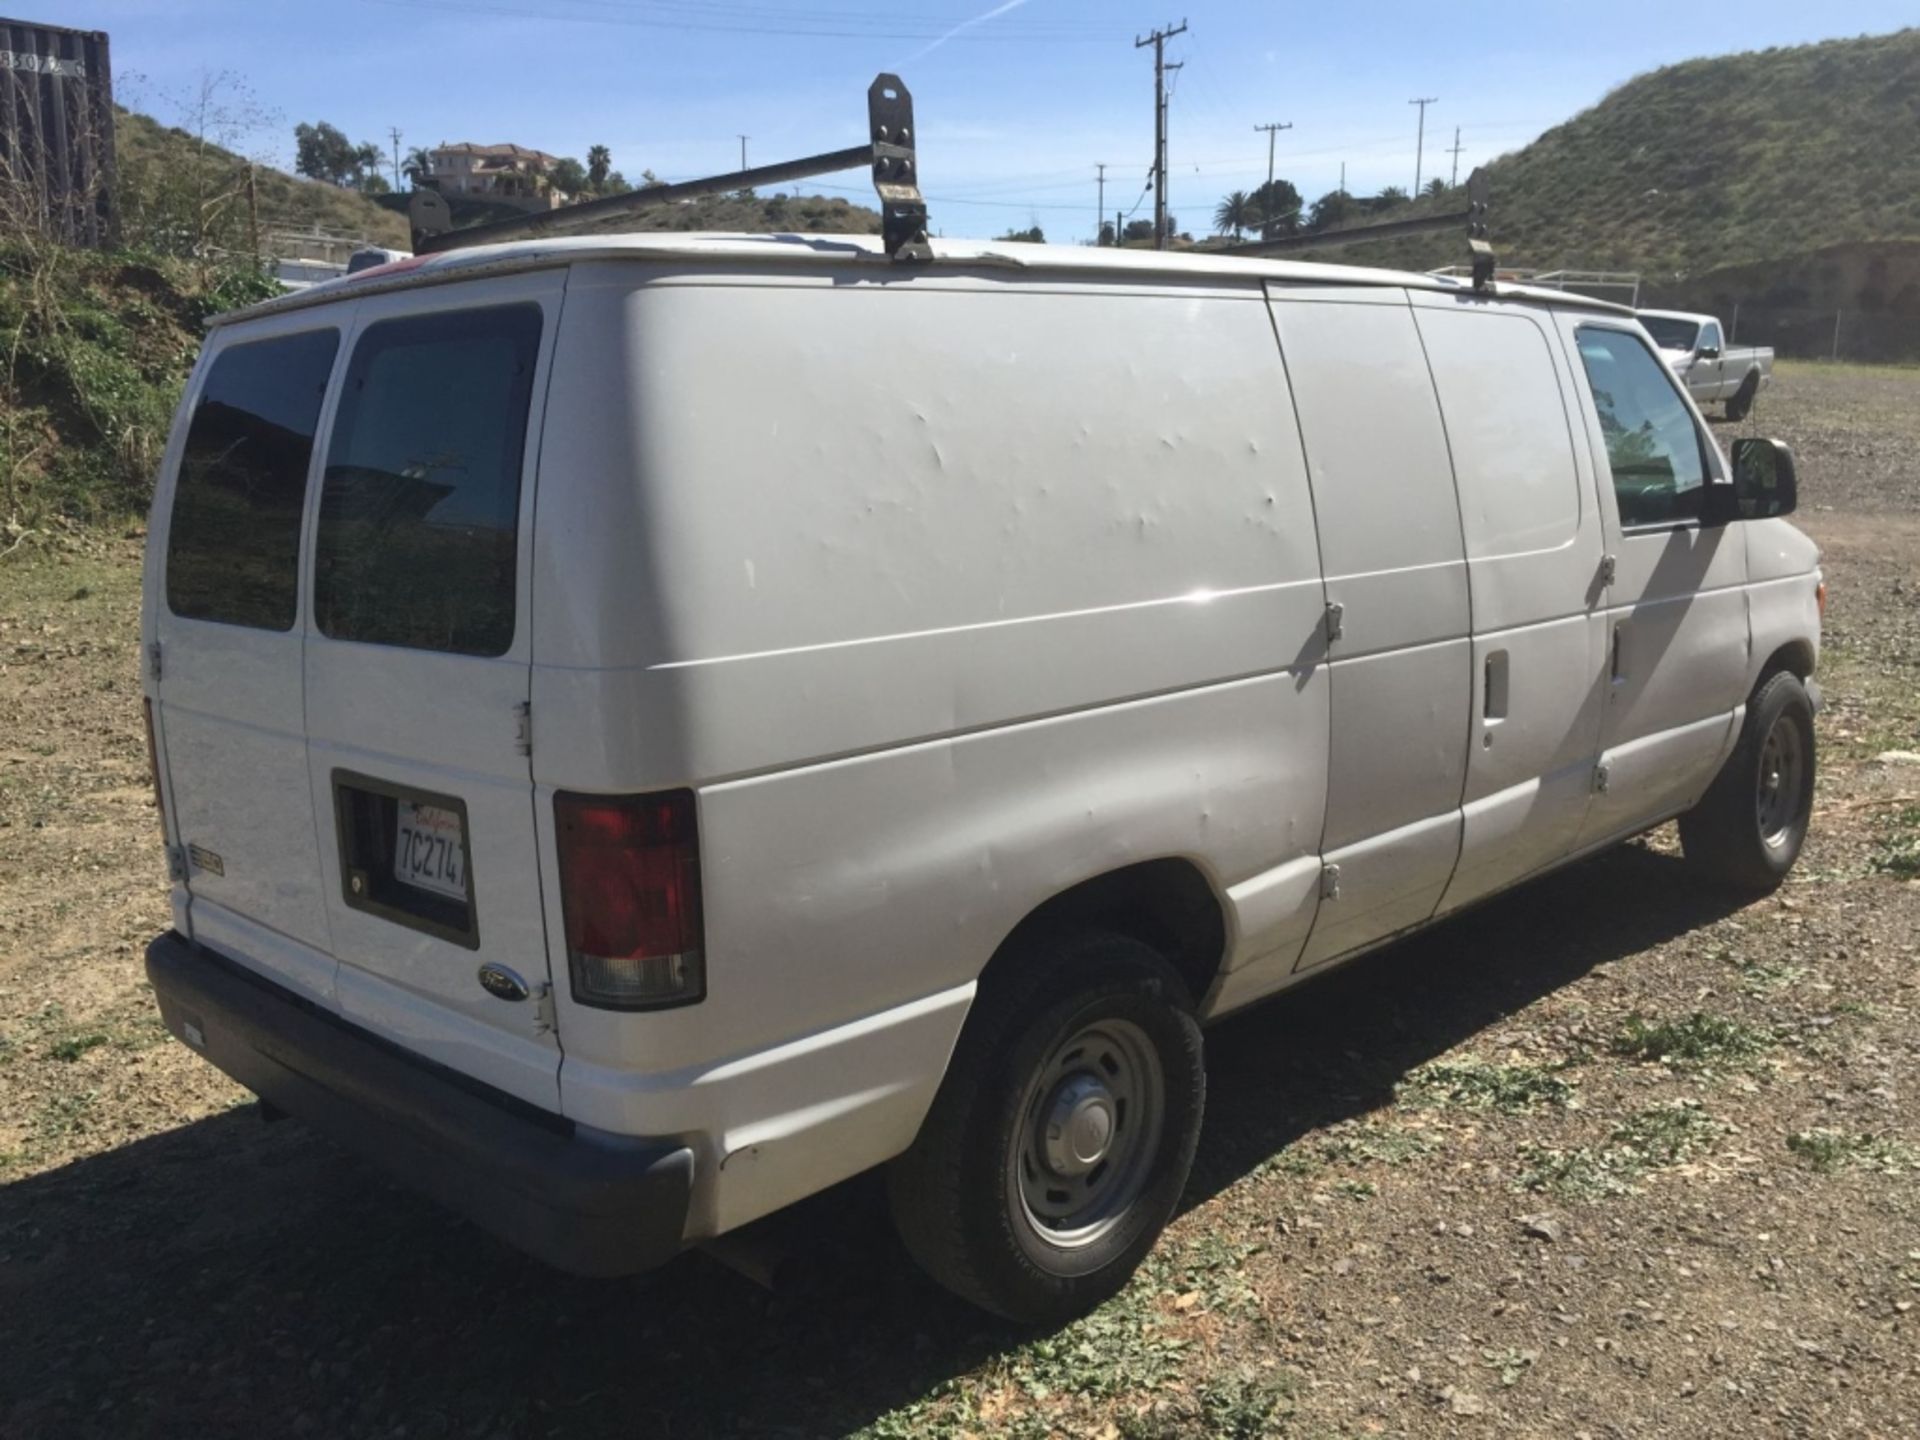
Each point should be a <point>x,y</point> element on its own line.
<point>1014,109</point>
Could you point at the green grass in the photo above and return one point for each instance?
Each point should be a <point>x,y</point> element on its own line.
<point>1475,1084</point>
<point>1696,1040</point>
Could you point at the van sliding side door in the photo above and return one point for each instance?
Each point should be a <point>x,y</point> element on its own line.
<point>1399,650</point>
<point>1530,508</point>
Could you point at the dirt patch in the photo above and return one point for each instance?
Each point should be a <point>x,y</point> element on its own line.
<point>1606,1157</point>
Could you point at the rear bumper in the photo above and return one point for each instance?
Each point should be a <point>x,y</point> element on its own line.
<point>580,1199</point>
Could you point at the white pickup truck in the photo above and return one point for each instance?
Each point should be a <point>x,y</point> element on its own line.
<point>1710,369</point>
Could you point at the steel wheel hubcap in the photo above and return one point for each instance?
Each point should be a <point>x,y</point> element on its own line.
<point>1089,1128</point>
<point>1777,798</point>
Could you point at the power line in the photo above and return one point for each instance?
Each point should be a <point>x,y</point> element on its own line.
<point>1421,143</point>
<point>1158,39</point>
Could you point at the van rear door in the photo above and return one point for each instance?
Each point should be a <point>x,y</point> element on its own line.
<point>417,668</point>
<point>225,613</point>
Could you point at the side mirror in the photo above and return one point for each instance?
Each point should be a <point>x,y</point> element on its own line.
<point>1763,484</point>
<point>1709,352</point>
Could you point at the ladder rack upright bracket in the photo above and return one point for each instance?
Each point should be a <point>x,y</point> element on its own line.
<point>1479,245</point>
<point>896,170</point>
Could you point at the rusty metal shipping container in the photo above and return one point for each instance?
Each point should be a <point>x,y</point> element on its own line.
<point>56,132</point>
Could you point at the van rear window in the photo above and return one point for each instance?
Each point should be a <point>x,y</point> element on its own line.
<point>233,544</point>
<point>419,515</point>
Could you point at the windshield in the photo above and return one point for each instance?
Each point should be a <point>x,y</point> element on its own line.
<point>1671,333</point>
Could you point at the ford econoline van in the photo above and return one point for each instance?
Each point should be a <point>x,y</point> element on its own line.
<point>649,727</point>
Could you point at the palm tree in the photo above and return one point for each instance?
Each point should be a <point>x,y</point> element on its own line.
<point>418,166</point>
<point>1436,188</point>
<point>1234,213</point>
<point>1388,198</point>
<point>599,163</point>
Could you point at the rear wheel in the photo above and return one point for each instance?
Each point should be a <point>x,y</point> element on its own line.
<point>1741,401</point>
<point>1063,1133</point>
<point>1747,830</point>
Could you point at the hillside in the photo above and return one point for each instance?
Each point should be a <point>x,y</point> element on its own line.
<point>1713,163</point>
<point>155,160</point>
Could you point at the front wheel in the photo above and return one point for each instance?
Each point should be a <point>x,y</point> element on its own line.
<point>1748,828</point>
<point>1062,1135</point>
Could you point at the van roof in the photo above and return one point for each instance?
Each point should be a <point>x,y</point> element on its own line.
<point>1079,260</point>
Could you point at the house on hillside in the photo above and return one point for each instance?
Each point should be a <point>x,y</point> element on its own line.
<point>510,174</point>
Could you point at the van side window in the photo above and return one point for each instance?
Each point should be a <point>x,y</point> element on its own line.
<point>1653,448</point>
<point>420,511</point>
<point>233,544</point>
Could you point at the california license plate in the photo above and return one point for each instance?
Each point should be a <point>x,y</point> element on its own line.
<point>429,851</point>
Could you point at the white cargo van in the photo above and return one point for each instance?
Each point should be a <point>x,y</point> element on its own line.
<point>649,727</point>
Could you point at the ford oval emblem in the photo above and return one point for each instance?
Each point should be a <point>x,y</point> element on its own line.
<point>501,983</point>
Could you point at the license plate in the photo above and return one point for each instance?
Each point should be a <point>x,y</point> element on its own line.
<point>429,851</point>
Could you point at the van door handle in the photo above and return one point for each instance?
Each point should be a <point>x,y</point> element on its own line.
<point>1615,670</point>
<point>1494,699</point>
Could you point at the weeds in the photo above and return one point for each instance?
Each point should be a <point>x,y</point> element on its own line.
<point>1645,1141</point>
<point>1475,1084</point>
<point>1825,1151</point>
<point>1898,849</point>
<point>1698,1040</point>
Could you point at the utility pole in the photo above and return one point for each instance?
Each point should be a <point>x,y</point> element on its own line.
<point>1271,130</point>
<point>1158,39</point>
<point>1455,152</point>
<point>1100,214</point>
<point>743,149</point>
<point>1420,145</point>
<point>1343,177</point>
<point>395,132</point>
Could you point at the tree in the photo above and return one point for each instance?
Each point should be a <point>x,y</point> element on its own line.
<point>599,166</point>
<point>570,177</point>
<point>1336,207</point>
<point>417,167</point>
<point>1031,235</point>
<point>614,184</point>
<point>372,182</point>
<point>1436,188</point>
<point>1388,198</point>
<point>322,152</point>
<point>1276,208</point>
<point>1234,213</point>
<point>1137,230</point>
<point>1106,232</point>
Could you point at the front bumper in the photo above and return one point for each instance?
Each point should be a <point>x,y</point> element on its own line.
<point>580,1199</point>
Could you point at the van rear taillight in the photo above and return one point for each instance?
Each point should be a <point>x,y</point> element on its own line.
<point>630,894</point>
<point>153,764</point>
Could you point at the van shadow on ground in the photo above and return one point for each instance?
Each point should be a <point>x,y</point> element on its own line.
<point>238,1279</point>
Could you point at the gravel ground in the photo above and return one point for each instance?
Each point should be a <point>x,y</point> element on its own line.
<point>1607,1157</point>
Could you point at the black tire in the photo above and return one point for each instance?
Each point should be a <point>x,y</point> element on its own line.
<point>958,1193</point>
<point>1740,403</point>
<point>1748,828</point>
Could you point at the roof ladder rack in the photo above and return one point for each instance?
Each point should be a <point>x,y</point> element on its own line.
<point>889,154</point>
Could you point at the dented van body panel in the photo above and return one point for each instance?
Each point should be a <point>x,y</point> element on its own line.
<point>942,593</point>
